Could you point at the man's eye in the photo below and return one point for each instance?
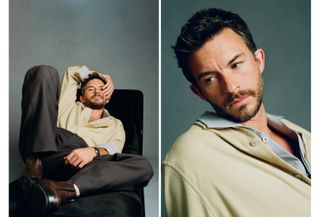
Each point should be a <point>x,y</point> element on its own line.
<point>236,65</point>
<point>209,80</point>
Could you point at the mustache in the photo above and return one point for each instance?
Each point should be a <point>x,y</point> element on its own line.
<point>231,97</point>
<point>95,95</point>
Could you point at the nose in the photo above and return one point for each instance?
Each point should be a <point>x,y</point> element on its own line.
<point>98,91</point>
<point>230,84</point>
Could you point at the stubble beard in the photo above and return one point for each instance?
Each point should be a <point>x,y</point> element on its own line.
<point>242,115</point>
<point>94,105</point>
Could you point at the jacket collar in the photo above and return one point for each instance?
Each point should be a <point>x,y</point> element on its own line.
<point>248,143</point>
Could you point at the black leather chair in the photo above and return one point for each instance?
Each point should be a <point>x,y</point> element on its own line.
<point>126,105</point>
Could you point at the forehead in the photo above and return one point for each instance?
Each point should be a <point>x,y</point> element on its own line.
<point>218,51</point>
<point>94,83</point>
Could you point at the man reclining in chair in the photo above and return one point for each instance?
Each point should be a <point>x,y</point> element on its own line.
<point>71,148</point>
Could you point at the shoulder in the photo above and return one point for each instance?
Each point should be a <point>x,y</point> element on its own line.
<point>190,145</point>
<point>116,121</point>
<point>295,127</point>
<point>112,122</point>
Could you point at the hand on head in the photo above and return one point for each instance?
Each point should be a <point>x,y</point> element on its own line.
<point>108,88</point>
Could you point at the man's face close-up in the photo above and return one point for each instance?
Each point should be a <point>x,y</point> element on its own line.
<point>229,75</point>
<point>92,96</point>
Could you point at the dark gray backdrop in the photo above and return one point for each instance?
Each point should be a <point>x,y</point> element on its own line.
<point>281,28</point>
<point>118,37</point>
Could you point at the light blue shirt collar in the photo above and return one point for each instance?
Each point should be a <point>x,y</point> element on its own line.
<point>212,120</point>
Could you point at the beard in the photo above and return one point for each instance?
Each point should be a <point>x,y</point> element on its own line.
<point>242,114</point>
<point>88,102</point>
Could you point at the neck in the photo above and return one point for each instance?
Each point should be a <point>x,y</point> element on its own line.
<point>96,114</point>
<point>259,121</point>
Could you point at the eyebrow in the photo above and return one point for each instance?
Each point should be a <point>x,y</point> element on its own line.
<point>203,74</point>
<point>235,58</point>
<point>92,86</point>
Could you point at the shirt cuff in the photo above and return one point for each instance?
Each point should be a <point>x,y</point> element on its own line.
<point>77,190</point>
<point>84,72</point>
<point>110,148</point>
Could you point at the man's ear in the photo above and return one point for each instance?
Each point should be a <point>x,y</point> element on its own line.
<point>260,58</point>
<point>81,98</point>
<point>198,92</point>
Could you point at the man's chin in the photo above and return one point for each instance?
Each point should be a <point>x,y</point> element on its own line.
<point>95,106</point>
<point>243,118</point>
<point>237,116</point>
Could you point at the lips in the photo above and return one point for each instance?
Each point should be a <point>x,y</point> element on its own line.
<point>96,97</point>
<point>239,101</point>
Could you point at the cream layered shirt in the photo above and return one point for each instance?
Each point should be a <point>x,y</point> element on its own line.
<point>106,132</point>
<point>224,172</point>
